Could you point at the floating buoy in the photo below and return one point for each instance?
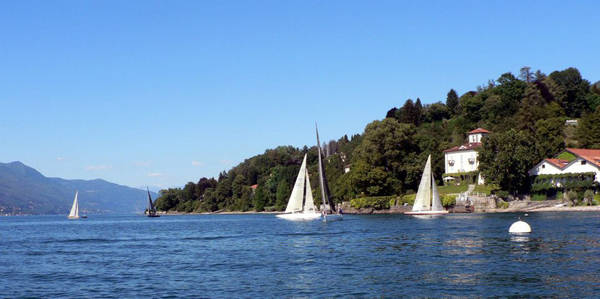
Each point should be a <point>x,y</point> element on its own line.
<point>519,227</point>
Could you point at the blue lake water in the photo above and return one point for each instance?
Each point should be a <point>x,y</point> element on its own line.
<point>263,256</point>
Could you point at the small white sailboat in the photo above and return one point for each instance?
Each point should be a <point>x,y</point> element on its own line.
<point>74,214</point>
<point>427,201</point>
<point>301,205</point>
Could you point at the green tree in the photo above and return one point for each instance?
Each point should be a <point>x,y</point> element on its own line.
<point>548,137</point>
<point>418,118</point>
<point>506,159</point>
<point>377,167</point>
<point>570,90</point>
<point>588,131</point>
<point>452,102</point>
<point>260,199</point>
<point>237,185</point>
<point>532,108</point>
<point>283,193</point>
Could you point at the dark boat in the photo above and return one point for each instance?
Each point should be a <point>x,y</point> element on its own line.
<point>151,212</point>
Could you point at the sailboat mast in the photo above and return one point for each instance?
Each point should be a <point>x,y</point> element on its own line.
<point>324,196</point>
<point>150,204</point>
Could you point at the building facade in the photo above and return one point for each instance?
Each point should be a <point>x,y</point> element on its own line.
<point>581,161</point>
<point>464,158</point>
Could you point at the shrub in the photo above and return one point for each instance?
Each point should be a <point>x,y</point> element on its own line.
<point>538,197</point>
<point>409,198</point>
<point>448,200</point>
<point>502,204</point>
<point>596,200</point>
<point>572,197</point>
<point>588,197</point>
<point>502,194</point>
<point>378,203</point>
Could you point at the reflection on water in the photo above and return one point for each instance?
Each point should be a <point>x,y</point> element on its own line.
<point>263,256</point>
<point>519,238</point>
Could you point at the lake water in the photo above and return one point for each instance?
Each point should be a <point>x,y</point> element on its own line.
<point>263,256</point>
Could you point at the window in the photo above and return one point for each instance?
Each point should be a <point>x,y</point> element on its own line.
<point>583,162</point>
<point>451,162</point>
<point>543,165</point>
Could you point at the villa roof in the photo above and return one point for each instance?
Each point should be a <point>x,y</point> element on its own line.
<point>479,130</point>
<point>560,163</point>
<point>590,155</point>
<point>464,147</point>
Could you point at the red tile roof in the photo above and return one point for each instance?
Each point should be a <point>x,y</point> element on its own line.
<point>464,147</point>
<point>591,155</point>
<point>479,130</point>
<point>560,163</point>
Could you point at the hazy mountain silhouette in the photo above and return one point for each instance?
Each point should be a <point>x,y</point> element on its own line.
<point>24,190</point>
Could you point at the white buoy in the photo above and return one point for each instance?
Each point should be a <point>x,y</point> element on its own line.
<point>519,227</point>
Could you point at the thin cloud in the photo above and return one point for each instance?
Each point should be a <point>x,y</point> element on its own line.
<point>197,163</point>
<point>155,174</point>
<point>60,158</point>
<point>98,167</point>
<point>141,163</point>
<point>226,162</point>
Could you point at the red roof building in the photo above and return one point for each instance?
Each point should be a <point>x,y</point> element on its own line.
<point>582,161</point>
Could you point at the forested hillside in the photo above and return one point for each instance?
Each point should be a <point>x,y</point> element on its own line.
<point>525,113</point>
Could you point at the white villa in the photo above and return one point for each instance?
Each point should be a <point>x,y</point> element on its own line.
<point>585,160</point>
<point>463,159</point>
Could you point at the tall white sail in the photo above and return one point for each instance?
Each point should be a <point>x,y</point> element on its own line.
<point>75,208</point>
<point>297,196</point>
<point>423,198</point>
<point>436,203</point>
<point>309,202</point>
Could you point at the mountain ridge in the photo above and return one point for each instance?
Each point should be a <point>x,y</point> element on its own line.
<point>25,190</point>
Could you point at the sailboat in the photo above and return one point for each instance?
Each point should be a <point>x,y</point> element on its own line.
<point>427,201</point>
<point>301,205</point>
<point>74,214</point>
<point>151,208</point>
<point>328,210</point>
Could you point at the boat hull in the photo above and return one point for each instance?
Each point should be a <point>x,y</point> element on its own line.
<point>299,216</point>
<point>73,217</point>
<point>429,213</point>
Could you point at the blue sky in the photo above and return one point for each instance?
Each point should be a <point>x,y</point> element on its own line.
<point>164,92</point>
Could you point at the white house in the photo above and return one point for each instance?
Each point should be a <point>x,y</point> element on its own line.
<point>586,160</point>
<point>463,158</point>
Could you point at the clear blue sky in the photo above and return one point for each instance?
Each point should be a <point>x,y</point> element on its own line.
<point>163,92</point>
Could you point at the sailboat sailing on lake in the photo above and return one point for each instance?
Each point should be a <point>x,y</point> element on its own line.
<point>427,201</point>
<point>301,205</point>
<point>328,209</point>
<point>74,213</point>
<point>151,207</point>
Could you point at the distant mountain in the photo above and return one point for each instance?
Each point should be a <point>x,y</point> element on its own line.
<point>24,190</point>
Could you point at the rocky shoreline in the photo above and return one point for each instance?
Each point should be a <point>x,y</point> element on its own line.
<point>518,207</point>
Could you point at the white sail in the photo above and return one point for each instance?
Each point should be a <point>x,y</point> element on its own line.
<point>75,208</point>
<point>309,202</point>
<point>423,198</point>
<point>297,196</point>
<point>436,203</point>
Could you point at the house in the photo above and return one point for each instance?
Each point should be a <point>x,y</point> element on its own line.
<point>463,159</point>
<point>572,160</point>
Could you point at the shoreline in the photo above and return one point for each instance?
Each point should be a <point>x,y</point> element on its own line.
<point>401,211</point>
